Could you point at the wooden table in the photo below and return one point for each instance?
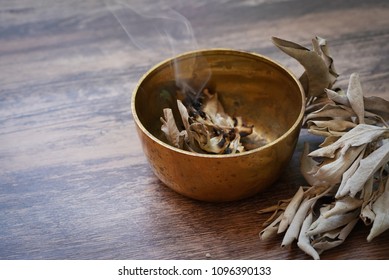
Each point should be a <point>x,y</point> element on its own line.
<point>74,182</point>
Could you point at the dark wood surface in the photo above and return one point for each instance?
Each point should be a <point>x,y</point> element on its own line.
<point>74,183</point>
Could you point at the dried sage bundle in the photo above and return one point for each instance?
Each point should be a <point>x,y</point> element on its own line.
<point>349,173</point>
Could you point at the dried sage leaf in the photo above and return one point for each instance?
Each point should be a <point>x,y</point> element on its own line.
<point>377,105</point>
<point>293,230</point>
<point>337,97</point>
<point>317,71</point>
<point>343,206</point>
<point>331,111</point>
<point>279,207</point>
<point>380,209</point>
<point>359,135</point>
<point>317,103</point>
<point>369,195</point>
<point>374,105</point>
<point>367,167</point>
<point>215,110</point>
<point>355,97</point>
<point>304,240</point>
<point>333,125</point>
<point>169,128</point>
<point>290,210</point>
<point>374,119</point>
<point>313,129</point>
<point>184,114</point>
<point>333,238</point>
<point>323,224</point>
<point>321,47</point>
<point>331,173</point>
<point>308,166</point>
<point>271,230</point>
<point>342,191</point>
<point>329,140</point>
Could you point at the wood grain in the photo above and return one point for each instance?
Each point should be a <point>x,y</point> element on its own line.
<point>74,183</point>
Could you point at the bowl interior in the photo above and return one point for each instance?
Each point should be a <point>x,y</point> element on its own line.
<point>259,90</point>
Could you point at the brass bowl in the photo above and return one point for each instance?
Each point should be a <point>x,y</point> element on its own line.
<point>260,90</point>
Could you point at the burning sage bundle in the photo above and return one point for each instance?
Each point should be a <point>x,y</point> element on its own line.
<point>349,173</point>
<point>207,128</point>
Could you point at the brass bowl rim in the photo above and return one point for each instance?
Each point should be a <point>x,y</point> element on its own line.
<point>217,156</point>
